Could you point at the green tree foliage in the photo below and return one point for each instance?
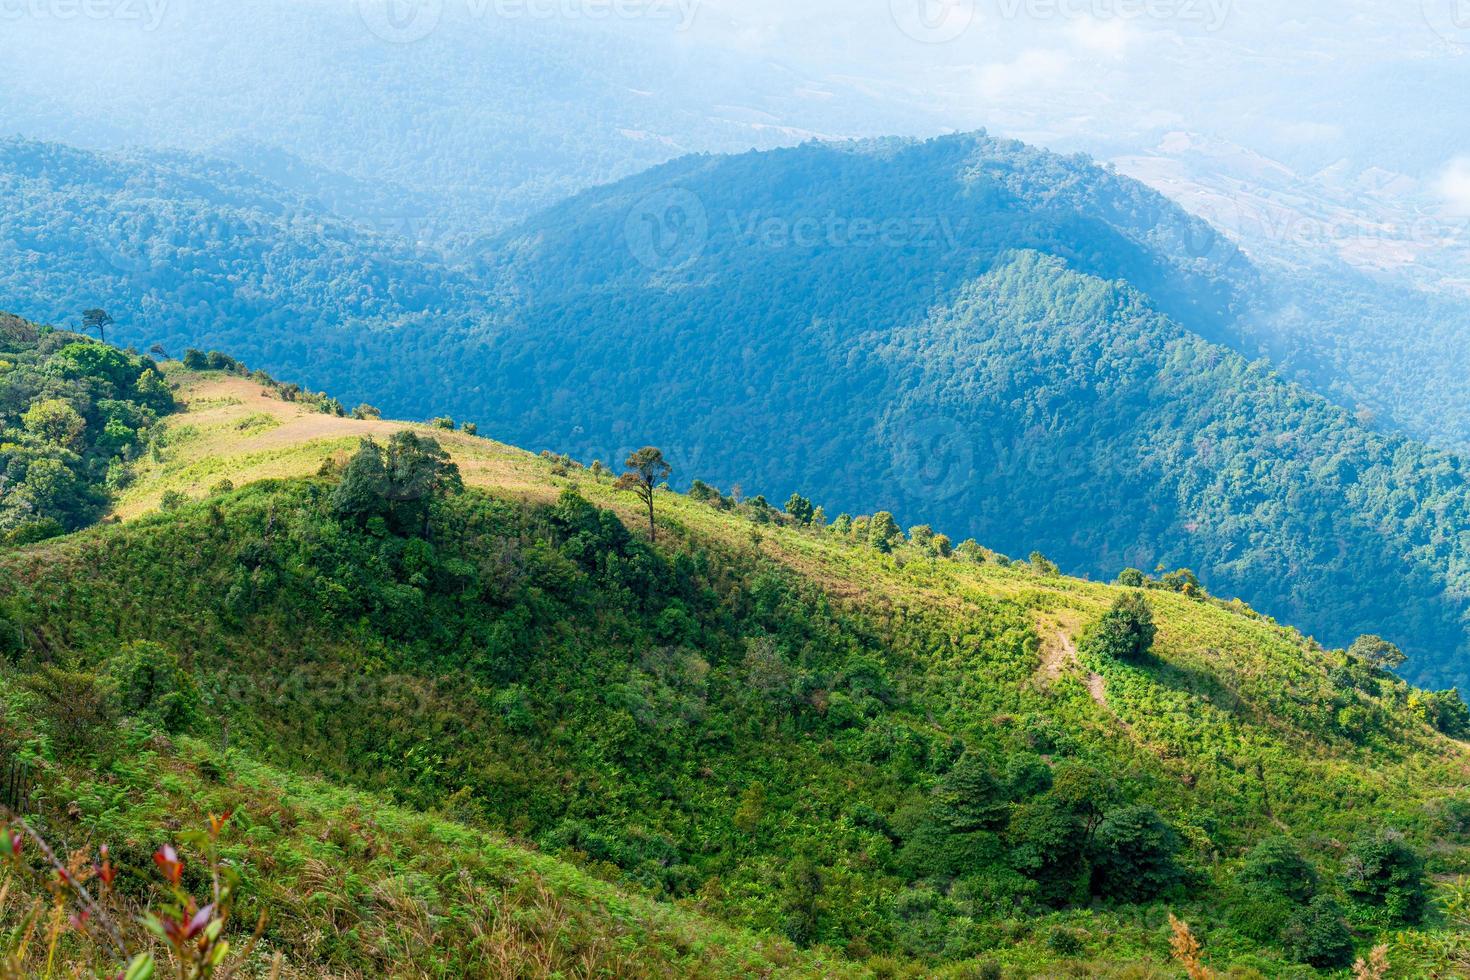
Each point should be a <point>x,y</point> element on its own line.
<point>54,421</point>
<point>1182,581</point>
<point>1318,935</point>
<point>1384,877</point>
<point>1276,867</point>
<point>1444,711</point>
<point>399,482</point>
<point>1049,844</point>
<point>800,509</point>
<point>1134,855</point>
<point>1124,632</point>
<point>149,683</point>
<point>971,798</point>
<point>1377,652</point>
<point>74,414</point>
<point>645,470</point>
<point>883,532</point>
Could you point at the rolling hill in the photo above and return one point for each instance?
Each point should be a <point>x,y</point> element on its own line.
<point>784,747</point>
<point>1023,348</point>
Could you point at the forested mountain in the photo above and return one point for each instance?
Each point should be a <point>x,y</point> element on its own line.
<point>785,747</point>
<point>1028,349</point>
<point>1022,347</point>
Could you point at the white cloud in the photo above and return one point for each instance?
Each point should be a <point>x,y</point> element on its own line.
<point>1454,186</point>
<point>1033,68</point>
<point>1109,38</point>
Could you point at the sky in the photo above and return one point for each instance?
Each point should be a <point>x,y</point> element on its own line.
<point>1237,108</point>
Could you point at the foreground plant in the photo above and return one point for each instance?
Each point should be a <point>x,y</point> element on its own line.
<point>1187,950</point>
<point>83,902</point>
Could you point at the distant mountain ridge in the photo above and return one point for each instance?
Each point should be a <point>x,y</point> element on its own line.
<point>1025,348</point>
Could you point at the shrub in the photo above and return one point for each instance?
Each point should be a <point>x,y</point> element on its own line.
<point>1124,632</point>
<point>75,707</point>
<point>1048,844</point>
<point>1134,855</point>
<point>970,797</point>
<point>1182,581</point>
<point>1318,936</point>
<point>1275,867</point>
<point>172,500</point>
<point>1384,877</point>
<point>1132,578</point>
<point>12,641</point>
<point>150,684</point>
<point>1444,711</point>
<point>1064,942</point>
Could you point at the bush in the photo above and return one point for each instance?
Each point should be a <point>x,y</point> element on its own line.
<point>150,684</point>
<point>1275,867</point>
<point>172,500</point>
<point>1444,711</point>
<point>1384,877</point>
<point>1318,936</point>
<point>12,641</point>
<point>1064,942</point>
<point>76,709</point>
<point>1124,632</point>
<point>1134,855</point>
<point>1048,845</point>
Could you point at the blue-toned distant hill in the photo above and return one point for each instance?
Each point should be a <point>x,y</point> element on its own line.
<point>1025,348</point>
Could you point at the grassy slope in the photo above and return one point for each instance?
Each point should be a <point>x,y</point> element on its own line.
<point>1227,724</point>
<point>417,894</point>
<point>354,887</point>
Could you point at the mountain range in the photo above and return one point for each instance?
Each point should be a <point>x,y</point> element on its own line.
<point>481,721</point>
<point>1026,349</point>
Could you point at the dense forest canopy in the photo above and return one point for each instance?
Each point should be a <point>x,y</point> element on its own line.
<point>74,415</point>
<point>1017,346</point>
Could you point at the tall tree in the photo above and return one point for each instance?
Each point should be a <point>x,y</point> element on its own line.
<point>646,468</point>
<point>97,320</point>
<point>400,482</point>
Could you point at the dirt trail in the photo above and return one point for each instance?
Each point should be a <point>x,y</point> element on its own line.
<point>1057,654</point>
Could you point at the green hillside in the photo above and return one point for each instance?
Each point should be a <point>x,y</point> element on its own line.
<point>1012,345</point>
<point>833,741</point>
